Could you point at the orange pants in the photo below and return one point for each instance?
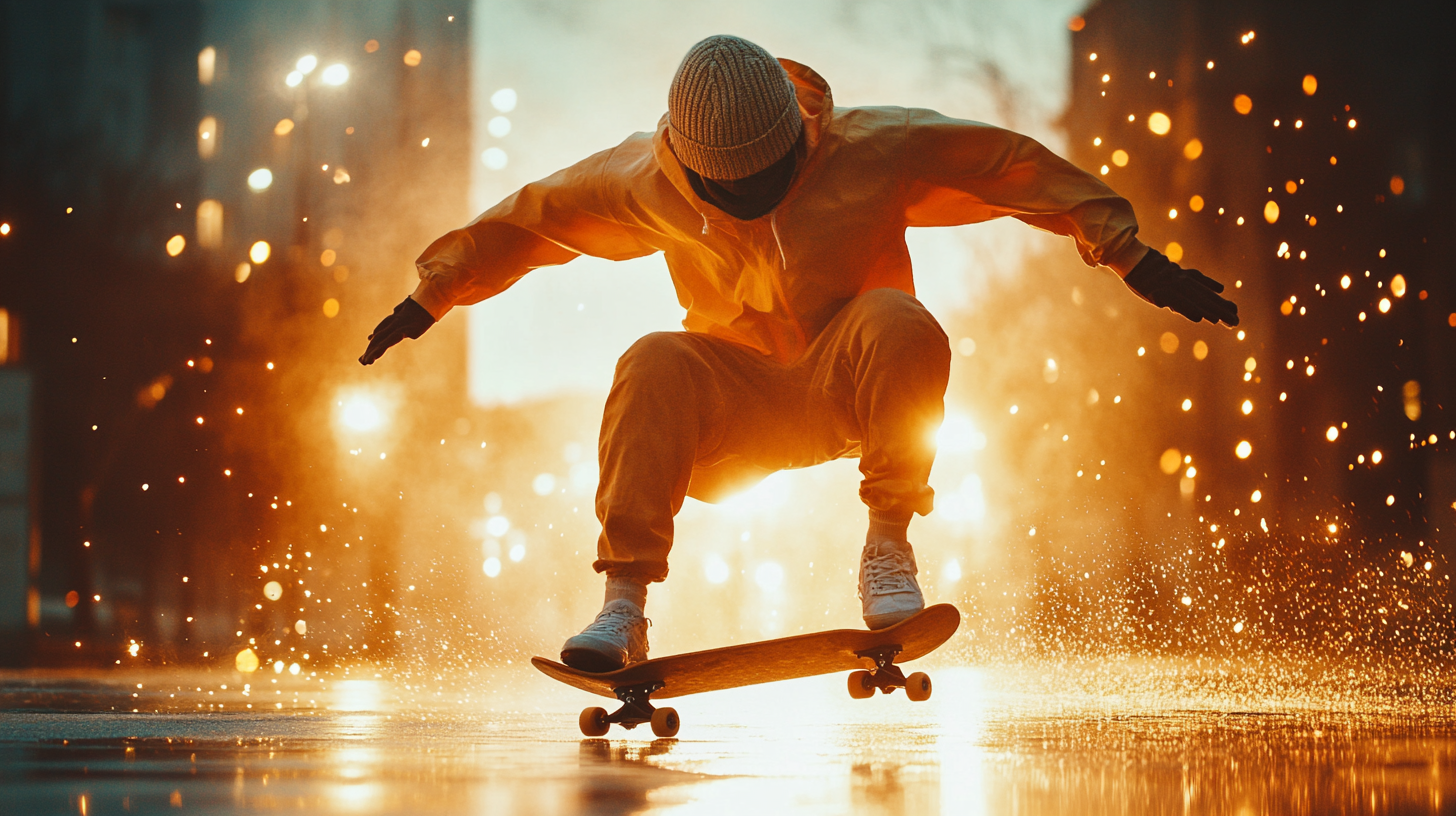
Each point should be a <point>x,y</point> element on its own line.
<point>692,415</point>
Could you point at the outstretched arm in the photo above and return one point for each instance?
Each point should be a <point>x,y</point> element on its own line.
<point>545,223</point>
<point>961,172</point>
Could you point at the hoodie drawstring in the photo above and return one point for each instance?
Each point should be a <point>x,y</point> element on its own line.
<point>773,225</point>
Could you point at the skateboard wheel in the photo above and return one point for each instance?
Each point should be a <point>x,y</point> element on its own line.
<point>861,685</point>
<point>665,722</point>
<point>593,722</point>
<point>917,686</point>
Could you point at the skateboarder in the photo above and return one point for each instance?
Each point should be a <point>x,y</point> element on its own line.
<point>783,221</point>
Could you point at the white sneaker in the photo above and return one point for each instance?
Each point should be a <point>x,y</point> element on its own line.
<point>617,637</point>
<point>888,591</point>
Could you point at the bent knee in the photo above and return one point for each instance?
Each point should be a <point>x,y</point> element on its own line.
<point>890,315</point>
<point>656,353</point>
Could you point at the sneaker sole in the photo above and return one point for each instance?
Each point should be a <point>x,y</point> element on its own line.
<point>589,660</point>
<point>888,619</point>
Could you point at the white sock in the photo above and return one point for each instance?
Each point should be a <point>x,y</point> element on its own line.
<point>627,589</point>
<point>888,526</point>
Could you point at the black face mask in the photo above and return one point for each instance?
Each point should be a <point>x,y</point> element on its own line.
<point>749,197</point>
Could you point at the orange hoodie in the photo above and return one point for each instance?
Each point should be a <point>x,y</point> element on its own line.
<point>773,283</point>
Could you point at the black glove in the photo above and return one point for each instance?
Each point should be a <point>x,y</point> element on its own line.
<point>1188,292</point>
<point>409,319</point>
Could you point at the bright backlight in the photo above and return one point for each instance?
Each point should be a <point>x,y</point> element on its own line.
<point>361,414</point>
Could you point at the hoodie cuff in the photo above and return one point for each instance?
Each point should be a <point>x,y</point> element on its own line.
<point>1128,257</point>
<point>435,303</point>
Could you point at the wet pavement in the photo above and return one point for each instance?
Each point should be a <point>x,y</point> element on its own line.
<point>1004,740</point>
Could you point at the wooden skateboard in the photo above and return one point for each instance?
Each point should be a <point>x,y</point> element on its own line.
<point>874,653</point>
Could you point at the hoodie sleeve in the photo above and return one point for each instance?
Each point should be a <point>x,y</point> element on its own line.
<point>960,172</point>
<point>545,223</point>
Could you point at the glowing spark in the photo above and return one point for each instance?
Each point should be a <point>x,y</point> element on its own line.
<point>1243,104</point>
<point>494,158</point>
<point>1256,496</point>
<point>1187,404</point>
<point>273,590</point>
<point>504,100</point>
<point>1247,407</point>
<point>1193,149</point>
<point>1310,84</point>
<point>1333,433</point>
<point>246,661</point>
<point>1271,213</point>
<point>260,179</point>
<point>259,252</point>
<point>336,74</point>
<point>497,526</point>
<point>175,245</point>
<point>715,569</point>
<point>1243,449</point>
<point>1159,123</point>
<point>412,57</point>
<point>1170,460</point>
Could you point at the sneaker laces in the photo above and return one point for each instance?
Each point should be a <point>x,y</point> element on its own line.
<point>614,621</point>
<point>888,572</point>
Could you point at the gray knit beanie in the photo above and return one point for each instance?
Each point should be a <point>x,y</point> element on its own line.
<point>732,110</point>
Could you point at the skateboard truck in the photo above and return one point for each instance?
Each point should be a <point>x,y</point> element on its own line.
<point>636,709</point>
<point>886,676</point>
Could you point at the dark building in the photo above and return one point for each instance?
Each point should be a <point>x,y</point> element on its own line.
<point>140,410</point>
<point>1304,150</point>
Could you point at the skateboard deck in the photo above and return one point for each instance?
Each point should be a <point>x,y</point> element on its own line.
<point>765,661</point>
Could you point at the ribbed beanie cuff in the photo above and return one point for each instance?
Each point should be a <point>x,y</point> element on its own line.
<point>732,110</point>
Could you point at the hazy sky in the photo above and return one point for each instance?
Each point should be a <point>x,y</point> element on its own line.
<point>587,75</point>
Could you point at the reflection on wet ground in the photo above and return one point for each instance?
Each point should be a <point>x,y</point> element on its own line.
<point>988,742</point>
